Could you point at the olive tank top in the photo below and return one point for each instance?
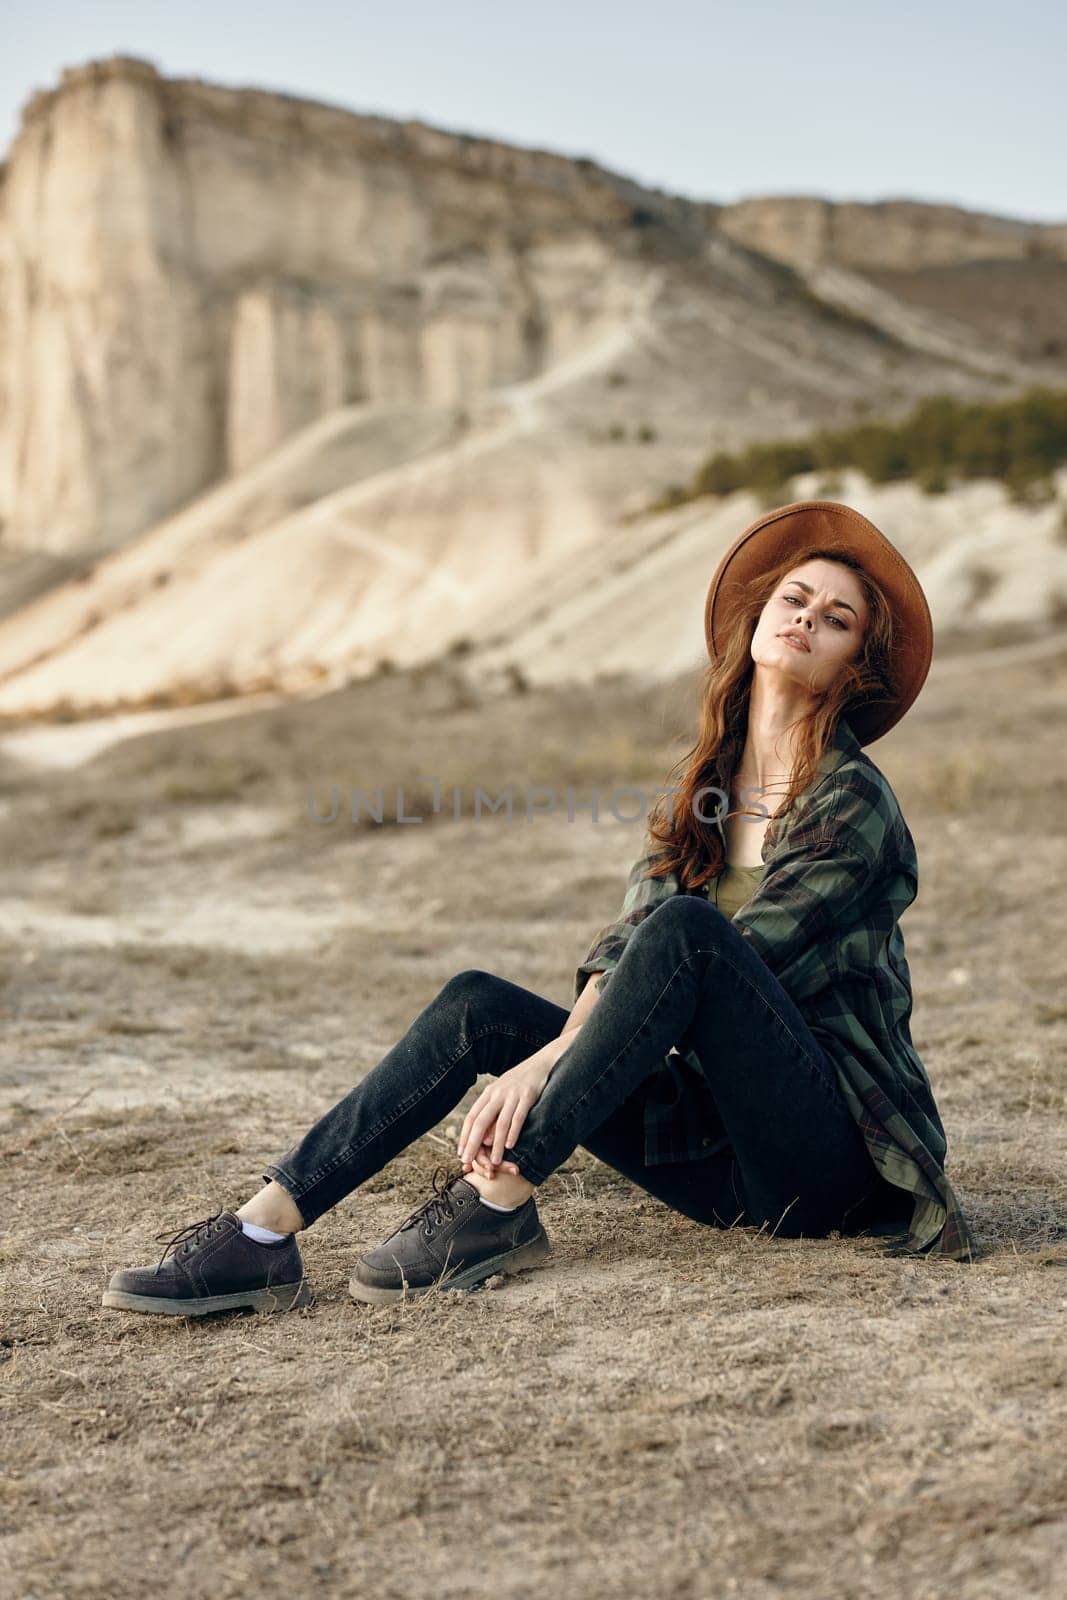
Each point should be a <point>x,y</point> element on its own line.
<point>735,887</point>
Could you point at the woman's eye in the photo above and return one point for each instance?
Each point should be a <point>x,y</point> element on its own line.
<point>794,600</point>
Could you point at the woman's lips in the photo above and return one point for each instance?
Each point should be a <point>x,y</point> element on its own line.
<point>796,644</point>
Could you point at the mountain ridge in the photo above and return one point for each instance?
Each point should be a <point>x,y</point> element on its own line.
<point>220,370</point>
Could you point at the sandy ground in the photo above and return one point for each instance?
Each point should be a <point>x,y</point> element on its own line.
<point>191,971</point>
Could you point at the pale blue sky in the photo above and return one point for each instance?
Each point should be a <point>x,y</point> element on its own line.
<point>959,102</point>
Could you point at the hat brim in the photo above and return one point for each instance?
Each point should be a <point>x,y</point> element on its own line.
<point>773,536</point>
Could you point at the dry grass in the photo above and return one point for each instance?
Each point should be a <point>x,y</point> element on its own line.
<point>663,1409</point>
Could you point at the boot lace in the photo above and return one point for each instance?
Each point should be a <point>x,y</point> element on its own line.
<point>187,1239</point>
<point>440,1207</point>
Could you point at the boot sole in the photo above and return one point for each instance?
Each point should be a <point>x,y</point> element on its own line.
<point>509,1262</point>
<point>284,1297</point>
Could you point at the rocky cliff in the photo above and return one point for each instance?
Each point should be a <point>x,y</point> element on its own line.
<point>901,235</point>
<point>189,274</point>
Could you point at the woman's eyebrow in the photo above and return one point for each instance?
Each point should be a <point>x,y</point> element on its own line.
<point>798,583</point>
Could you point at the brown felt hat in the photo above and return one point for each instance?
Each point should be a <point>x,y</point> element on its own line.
<point>834,526</point>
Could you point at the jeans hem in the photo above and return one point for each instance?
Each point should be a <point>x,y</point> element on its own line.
<point>526,1168</point>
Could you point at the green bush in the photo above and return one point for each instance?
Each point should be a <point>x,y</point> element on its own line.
<point>1021,442</point>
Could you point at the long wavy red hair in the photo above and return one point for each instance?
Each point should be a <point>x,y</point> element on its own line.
<point>693,847</point>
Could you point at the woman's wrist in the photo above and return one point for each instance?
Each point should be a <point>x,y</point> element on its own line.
<point>564,1041</point>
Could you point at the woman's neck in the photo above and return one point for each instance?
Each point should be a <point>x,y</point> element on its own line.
<point>770,754</point>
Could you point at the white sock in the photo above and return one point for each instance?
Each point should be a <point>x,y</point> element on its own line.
<point>261,1235</point>
<point>493,1205</point>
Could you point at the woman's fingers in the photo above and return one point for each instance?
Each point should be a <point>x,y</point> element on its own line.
<point>518,1122</point>
<point>502,1136</point>
<point>490,1126</point>
<point>478,1118</point>
<point>509,1126</point>
<point>499,1107</point>
<point>488,1167</point>
<point>482,1162</point>
<point>471,1158</point>
<point>464,1133</point>
<point>468,1144</point>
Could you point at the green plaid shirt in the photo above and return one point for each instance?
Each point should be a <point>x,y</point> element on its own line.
<point>840,869</point>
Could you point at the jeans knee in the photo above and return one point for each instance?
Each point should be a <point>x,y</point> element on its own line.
<point>472,989</point>
<point>690,914</point>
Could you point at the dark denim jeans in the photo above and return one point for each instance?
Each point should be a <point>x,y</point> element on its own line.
<point>796,1160</point>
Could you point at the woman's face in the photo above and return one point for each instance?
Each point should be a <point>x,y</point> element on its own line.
<point>822,604</point>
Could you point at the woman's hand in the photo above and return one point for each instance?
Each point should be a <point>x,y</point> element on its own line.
<point>482,1162</point>
<point>496,1118</point>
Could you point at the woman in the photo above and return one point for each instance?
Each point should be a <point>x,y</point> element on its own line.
<point>745,1053</point>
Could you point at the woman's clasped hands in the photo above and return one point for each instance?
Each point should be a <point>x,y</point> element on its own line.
<point>496,1118</point>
